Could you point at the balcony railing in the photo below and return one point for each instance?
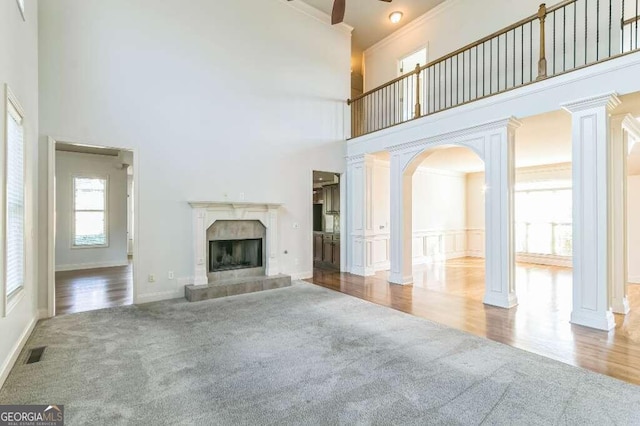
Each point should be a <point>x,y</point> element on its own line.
<point>559,39</point>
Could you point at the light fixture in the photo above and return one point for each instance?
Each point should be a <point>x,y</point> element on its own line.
<point>395,17</point>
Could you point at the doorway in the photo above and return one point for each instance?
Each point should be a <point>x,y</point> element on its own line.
<point>91,227</point>
<point>326,208</point>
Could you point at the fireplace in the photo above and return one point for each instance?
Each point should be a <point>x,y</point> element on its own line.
<point>227,255</point>
<point>235,249</point>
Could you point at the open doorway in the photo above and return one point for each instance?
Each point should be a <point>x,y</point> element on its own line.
<point>91,251</point>
<point>326,209</point>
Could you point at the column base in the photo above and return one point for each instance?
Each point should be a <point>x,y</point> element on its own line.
<point>400,279</point>
<point>507,302</point>
<point>621,307</point>
<point>600,321</point>
<point>362,271</point>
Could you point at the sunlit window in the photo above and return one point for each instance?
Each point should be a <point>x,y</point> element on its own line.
<point>89,212</point>
<point>544,221</point>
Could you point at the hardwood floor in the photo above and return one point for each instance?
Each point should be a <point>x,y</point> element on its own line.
<point>451,294</point>
<point>91,289</point>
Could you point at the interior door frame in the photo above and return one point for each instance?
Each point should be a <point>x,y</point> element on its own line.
<point>51,217</point>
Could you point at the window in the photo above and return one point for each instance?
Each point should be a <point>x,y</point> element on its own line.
<point>89,212</point>
<point>544,221</point>
<point>14,199</point>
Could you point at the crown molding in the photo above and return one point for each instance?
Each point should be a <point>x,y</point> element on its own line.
<point>608,100</point>
<point>411,26</point>
<point>316,14</point>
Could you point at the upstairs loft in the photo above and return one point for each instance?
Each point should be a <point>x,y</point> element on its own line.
<point>554,41</point>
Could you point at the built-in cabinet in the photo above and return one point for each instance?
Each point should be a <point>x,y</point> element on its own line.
<point>332,199</point>
<point>326,250</point>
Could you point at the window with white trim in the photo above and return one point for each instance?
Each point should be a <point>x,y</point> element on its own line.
<point>544,220</point>
<point>89,211</point>
<point>14,199</point>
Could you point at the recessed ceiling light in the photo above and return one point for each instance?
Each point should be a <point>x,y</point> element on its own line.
<point>319,178</point>
<point>395,17</point>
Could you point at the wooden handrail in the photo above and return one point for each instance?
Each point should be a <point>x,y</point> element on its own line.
<point>452,54</point>
<point>631,21</point>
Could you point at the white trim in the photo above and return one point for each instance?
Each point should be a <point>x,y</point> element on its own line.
<point>634,279</point>
<point>72,240</point>
<point>14,353</point>
<point>318,15</point>
<point>161,295</point>
<point>302,275</point>
<point>51,225</point>
<point>94,265</point>
<point>15,109</point>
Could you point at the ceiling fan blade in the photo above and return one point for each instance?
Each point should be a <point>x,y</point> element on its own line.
<point>337,15</point>
<point>388,1</point>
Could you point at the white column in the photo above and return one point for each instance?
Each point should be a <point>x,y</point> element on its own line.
<point>592,263</point>
<point>401,220</point>
<point>499,217</point>
<point>618,222</point>
<point>200,246</point>
<point>272,267</point>
<point>360,220</point>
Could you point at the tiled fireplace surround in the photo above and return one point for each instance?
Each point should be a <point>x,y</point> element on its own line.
<point>220,284</point>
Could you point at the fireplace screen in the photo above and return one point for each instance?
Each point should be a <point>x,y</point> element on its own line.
<point>225,255</point>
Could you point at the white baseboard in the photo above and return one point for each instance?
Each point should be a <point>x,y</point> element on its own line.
<point>43,313</point>
<point>161,295</point>
<point>302,275</point>
<point>634,279</point>
<point>15,351</point>
<point>83,266</point>
<point>541,259</point>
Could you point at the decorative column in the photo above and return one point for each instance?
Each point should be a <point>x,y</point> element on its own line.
<point>401,218</point>
<point>360,219</point>
<point>499,150</point>
<point>592,207</point>
<point>625,131</point>
<point>200,246</point>
<point>272,267</point>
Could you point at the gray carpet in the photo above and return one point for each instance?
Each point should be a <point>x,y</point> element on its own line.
<point>301,355</point>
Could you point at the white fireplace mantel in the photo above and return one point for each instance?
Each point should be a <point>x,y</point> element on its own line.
<point>205,213</point>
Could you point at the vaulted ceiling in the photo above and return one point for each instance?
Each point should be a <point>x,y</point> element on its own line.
<point>370,18</point>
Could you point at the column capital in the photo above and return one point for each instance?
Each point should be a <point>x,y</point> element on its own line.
<point>608,100</point>
<point>360,159</point>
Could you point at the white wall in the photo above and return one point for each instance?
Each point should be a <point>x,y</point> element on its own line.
<point>475,20</point>
<point>214,104</point>
<point>68,165</point>
<point>439,214</point>
<point>633,216</point>
<point>19,69</point>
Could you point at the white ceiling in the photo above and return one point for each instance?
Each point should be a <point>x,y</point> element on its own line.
<point>370,18</point>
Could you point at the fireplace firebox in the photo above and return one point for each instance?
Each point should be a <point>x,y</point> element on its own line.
<point>227,255</point>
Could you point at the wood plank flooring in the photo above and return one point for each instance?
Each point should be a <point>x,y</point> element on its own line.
<point>450,293</point>
<point>91,289</point>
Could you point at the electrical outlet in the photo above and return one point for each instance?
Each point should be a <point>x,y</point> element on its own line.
<point>151,278</point>
<point>296,225</point>
<point>170,275</point>
<point>242,196</point>
<point>296,262</point>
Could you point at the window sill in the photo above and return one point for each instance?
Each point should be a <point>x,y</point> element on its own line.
<point>89,247</point>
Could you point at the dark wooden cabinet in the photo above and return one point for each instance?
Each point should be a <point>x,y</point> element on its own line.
<point>326,250</point>
<point>332,199</point>
<point>317,247</point>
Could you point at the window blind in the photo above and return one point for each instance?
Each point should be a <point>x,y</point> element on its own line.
<point>15,202</point>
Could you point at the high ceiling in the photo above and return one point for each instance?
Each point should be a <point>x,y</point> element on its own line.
<point>370,18</point>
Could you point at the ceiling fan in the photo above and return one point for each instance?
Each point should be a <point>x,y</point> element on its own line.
<point>339,6</point>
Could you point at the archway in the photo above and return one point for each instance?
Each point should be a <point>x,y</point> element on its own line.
<point>494,144</point>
